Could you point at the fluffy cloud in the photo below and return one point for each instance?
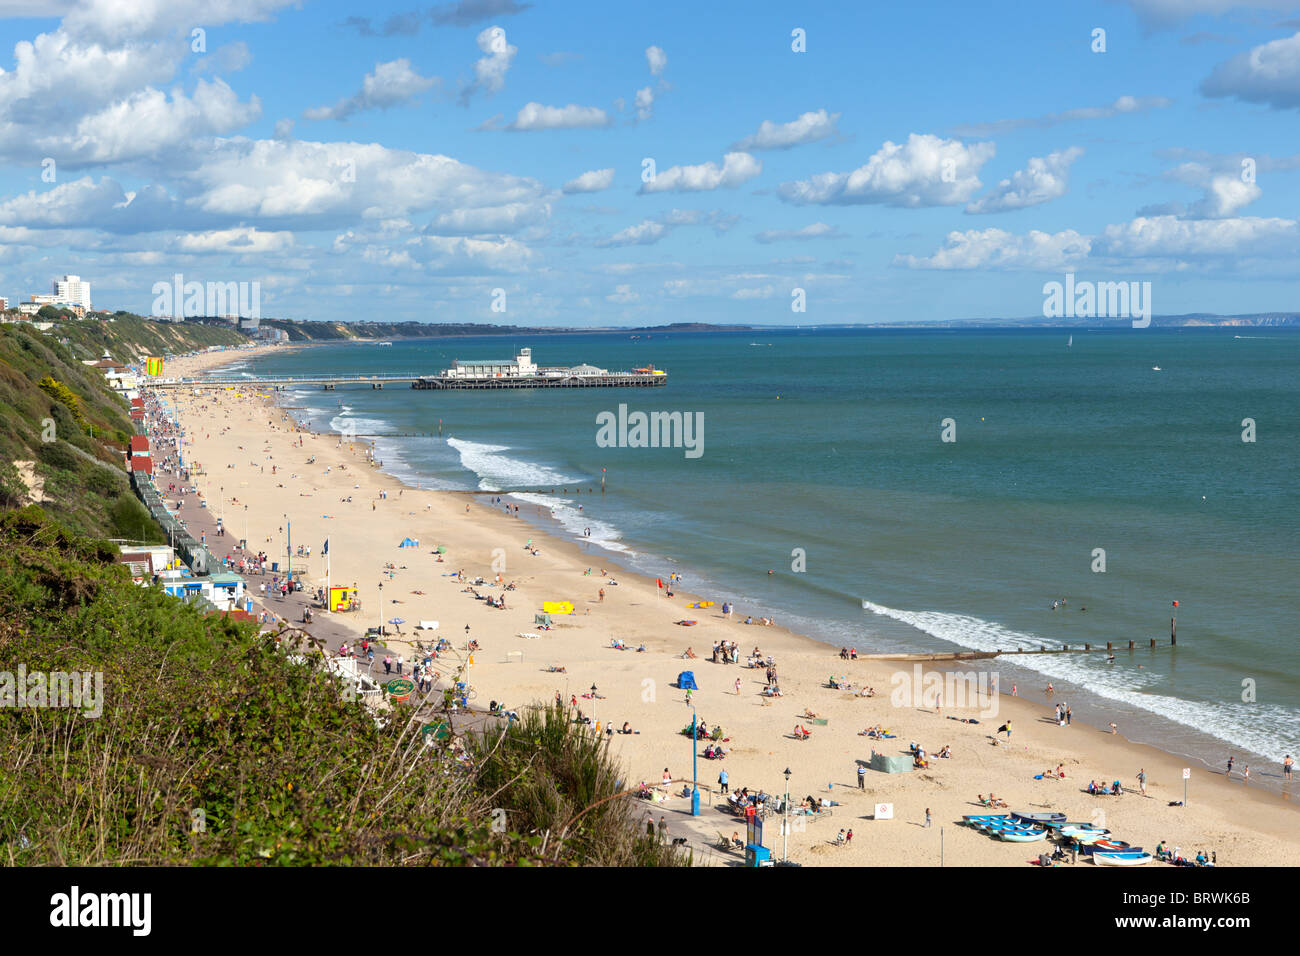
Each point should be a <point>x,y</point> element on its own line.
<point>1123,105</point>
<point>645,101</point>
<point>650,231</point>
<point>535,116</point>
<point>736,169</point>
<point>391,84</point>
<point>238,241</point>
<point>468,12</point>
<point>644,233</point>
<point>490,70</point>
<point>808,128</point>
<point>999,249</point>
<point>230,58</point>
<point>1267,74</point>
<point>622,295</point>
<point>818,230</point>
<point>1172,237</point>
<point>1224,197</point>
<point>657,59</point>
<point>592,181</point>
<point>924,171</point>
<point>85,103</point>
<point>1042,180</point>
<point>116,22</point>
<point>487,220</point>
<point>317,185</point>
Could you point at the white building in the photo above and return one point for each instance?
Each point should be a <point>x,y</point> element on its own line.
<point>72,290</point>
<point>522,366</point>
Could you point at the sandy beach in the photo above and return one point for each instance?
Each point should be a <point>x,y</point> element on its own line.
<point>250,462</point>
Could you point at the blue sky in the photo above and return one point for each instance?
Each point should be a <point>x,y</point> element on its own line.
<point>917,162</point>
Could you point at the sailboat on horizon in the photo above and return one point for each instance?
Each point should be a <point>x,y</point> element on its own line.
<point>1070,343</point>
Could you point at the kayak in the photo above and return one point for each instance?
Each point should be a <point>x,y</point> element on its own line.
<point>1023,836</point>
<point>701,604</point>
<point>1129,858</point>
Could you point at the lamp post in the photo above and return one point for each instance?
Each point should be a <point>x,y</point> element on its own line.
<point>785,824</point>
<point>695,768</point>
<point>381,609</point>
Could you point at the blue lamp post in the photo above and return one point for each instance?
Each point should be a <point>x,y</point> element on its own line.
<point>695,768</point>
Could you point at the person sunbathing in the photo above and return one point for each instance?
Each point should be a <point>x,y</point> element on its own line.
<point>809,714</point>
<point>801,732</point>
<point>946,751</point>
<point>689,653</point>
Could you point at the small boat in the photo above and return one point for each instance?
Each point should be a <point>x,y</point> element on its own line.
<point>1041,819</point>
<point>1085,836</point>
<point>1111,846</point>
<point>1125,858</point>
<point>383,343</point>
<point>1022,836</point>
<point>984,817</point>
<point>1070,343</point>
<point>1156,368</point>
<point>688,623</point>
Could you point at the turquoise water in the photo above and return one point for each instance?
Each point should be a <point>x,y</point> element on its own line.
<point>830,442</point>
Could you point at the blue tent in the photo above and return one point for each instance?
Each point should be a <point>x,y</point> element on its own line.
<point>409,543</point>
<point>686,680</point>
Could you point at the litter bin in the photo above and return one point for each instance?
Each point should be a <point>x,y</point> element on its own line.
<point>275,566</point>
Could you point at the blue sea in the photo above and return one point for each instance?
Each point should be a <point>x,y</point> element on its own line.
<point>823,450</point>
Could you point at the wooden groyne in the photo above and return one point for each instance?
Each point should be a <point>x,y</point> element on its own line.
<point>1110,648</point>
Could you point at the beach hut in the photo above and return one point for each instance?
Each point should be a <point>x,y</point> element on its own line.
<point>686,681</point>
<point>886,764</point>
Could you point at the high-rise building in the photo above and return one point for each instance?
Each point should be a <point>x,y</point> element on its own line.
<point>4,303</point>
<point>72,290</point>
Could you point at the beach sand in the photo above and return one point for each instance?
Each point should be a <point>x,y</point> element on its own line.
<point>237,436</point>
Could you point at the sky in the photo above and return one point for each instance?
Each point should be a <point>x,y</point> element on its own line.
<point>606,164</point>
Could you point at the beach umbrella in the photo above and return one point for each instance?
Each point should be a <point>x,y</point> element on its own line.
<point>397,620</point>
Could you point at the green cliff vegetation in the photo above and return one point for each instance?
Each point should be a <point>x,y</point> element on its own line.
<point>216,745</point>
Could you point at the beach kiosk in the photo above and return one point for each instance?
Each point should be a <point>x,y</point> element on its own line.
<point>343,599</point>
<point>755,853</point>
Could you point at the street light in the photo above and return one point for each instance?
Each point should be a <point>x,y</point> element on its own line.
<point>785,824</point>
<point>381,608</point>
<point>695,766</point>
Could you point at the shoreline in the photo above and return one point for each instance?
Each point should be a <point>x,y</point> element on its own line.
<point>762,745</point>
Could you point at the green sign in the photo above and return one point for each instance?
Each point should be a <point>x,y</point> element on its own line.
<point>400,687</point>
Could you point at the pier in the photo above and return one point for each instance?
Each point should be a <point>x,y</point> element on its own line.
<point>1109,649</point>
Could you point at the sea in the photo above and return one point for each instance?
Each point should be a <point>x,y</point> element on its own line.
<point>919,490</point>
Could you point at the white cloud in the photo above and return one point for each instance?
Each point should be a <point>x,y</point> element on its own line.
<point>441,254</point>
<point>657,60</point>
<point>762,292</point>
<point>736,169</point>
<point>1121,106</point>
<point>1172,237</point>
<point>535,116</point>
<point>645,101</point>
<point>116,21</point>
<point>645,233</point>
<point>1267,74</point>
<point>391,84</point>
<point>622,295</point>
<point>99,104</point>
<point>509,218</point>
<point>238,241</point>
<point>999,249</point>
<point>818,230</point>
<point>1042,180</point>
<point>1224,197</point>
<point>592,181</point>
<point>490,70</point>
<point>808,128</point>
<point>924,171</point>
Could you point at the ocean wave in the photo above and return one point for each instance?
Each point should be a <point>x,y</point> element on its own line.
<point>497,471</point>
<point>1267,730</point>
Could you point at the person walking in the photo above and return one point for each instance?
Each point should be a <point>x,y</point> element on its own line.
<point>927,818</point>
<point>862,777</point>
<point>1142,781</point>
<point>722,781</point>
<point>663,830</point>
<point>738,691</point>
<point>388,664</point>
<point>1287,766</point>
<point>1068,715</point>
<point>602,595</point>
<point>1006,728</point>
<point>399,663</point>
<point>1231,758</point>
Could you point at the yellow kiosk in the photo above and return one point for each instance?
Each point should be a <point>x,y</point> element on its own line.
<point>343,599</point>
